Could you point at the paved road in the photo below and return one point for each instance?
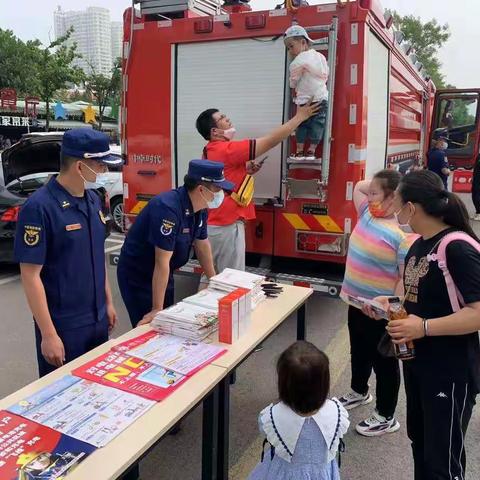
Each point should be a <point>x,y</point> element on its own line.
<point>386,458</point>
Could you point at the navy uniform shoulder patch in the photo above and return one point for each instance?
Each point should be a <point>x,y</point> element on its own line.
<point>167,227</point>
<point>32,235</point>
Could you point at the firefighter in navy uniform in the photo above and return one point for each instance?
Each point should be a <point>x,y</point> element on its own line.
<point>161,239</point>
<point>59,244</point>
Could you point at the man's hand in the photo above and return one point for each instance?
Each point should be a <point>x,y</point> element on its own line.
<point>53,350</point>
<point>308,110</point>
<point>253,167</point>
<point>148,318</point>
<point>112,316</point>
<point>406,329</point>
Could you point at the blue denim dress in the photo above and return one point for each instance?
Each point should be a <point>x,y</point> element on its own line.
<point>312,457</point>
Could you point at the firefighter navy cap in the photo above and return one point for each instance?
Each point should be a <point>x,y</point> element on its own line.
<point>208,171</point>
<point>89,143</point>
<point>296,31</point>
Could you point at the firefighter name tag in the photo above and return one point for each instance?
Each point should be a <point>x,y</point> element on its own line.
<point>73,226</point>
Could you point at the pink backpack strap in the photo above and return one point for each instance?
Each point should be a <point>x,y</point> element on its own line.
<point>456,299</point>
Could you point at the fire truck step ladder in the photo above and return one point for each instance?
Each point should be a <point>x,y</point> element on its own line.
<point>316,188</point>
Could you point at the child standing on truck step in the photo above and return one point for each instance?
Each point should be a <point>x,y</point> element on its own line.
<point>308,78</point>
<point>304,431</point>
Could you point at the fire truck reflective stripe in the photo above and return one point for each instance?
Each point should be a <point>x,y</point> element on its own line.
<point>138,207</point>
<point>296,221</point>
<point>352,118</point>
<point>311,222</point>
<point>353,74</point>
<point>356,154</point>
<point>327,223</point>
<point>354,34</point>
<point>403,148</point>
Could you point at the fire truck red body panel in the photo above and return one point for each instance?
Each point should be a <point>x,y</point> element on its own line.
<point>287,225</point>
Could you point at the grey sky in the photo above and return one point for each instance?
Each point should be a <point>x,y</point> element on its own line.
<point>34,19</point>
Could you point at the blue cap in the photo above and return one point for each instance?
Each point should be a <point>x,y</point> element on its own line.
<point>89,144</point>
<point>208,171</point>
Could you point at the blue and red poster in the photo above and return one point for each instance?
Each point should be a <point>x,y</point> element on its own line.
<point>29,451</point>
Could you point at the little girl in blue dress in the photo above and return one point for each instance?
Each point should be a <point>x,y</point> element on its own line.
<point>304,430</point>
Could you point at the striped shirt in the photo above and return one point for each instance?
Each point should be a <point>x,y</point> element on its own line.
<point>376,252</point>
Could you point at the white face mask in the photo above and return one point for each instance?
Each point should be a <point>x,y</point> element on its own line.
<point>405,227</point>
<point>229,133</point>
<point>100,179</point>
<point>217,198</point>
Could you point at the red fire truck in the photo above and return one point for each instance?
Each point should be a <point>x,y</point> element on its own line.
<point>181,59</point>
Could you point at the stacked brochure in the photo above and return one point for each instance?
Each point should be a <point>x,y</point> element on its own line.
<point>230,279</point>
<point>187,320</point>
<point>180,355</point>
<point>207,298</point>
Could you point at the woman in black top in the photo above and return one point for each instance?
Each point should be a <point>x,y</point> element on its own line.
<point>442,381</point>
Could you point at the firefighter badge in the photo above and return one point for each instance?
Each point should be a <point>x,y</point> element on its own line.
<point>31,235</point>
<point>167,227</point>
<point>102,217</point>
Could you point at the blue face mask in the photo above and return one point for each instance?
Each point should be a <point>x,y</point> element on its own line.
<point>100,179</point>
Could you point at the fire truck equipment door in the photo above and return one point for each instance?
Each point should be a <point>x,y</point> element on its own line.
<point>245,79</point>
<point>377,120</point>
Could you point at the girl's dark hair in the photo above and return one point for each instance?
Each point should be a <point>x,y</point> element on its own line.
<point>426,188</point>
<point>389,180</point>
<point>303,377</point>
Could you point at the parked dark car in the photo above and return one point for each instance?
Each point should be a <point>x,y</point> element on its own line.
<point>34,154</point>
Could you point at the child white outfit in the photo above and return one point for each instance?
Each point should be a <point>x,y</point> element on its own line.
<point>302,448</point>
<point>308,76</point>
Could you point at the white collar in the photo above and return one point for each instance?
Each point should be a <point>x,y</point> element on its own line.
<point>282,426</point>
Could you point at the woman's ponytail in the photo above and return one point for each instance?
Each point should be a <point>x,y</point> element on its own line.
<point>426,188</point>
<point>456,214</point>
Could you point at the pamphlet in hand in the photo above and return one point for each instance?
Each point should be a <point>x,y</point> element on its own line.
<point>84,410</point>
<point>119,370</point>
<point>31,451</point>
<point>360,302</point>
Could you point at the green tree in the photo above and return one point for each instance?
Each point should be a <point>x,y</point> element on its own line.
<point>104,89</point>
<point>18,63</point>
<point>426,39</point>
<point>55,70</point>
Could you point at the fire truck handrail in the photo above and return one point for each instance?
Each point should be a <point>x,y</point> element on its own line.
<point>332,62</point>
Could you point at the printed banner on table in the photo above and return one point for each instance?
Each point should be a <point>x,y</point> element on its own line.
<point>175,353</point>
<point>29,451</point>
<point>85,410</point>
<point>119,370</point>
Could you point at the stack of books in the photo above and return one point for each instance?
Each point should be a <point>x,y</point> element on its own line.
<point>230,279</point>
<point>187,320</point>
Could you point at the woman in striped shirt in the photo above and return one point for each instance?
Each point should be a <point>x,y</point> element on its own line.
<point>376,253</point>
